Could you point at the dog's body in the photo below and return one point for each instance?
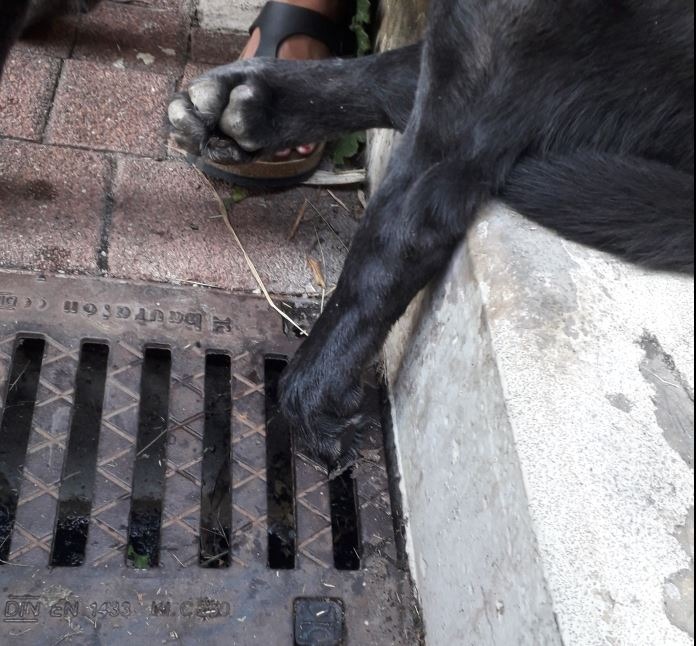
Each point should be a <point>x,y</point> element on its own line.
<point>579,114</point>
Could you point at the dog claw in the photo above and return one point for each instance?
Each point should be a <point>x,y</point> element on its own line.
<point>346,462</point>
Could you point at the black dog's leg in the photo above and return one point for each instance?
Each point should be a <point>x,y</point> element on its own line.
<point>412,226</point>
<point>12,16</point>
<point>235,112</point>
<point>450,162</point>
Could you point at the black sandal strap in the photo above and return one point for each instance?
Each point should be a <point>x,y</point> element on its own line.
<point>279,21</point>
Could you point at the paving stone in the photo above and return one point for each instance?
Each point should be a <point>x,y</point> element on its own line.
<point>104,108</point>
<point>166,227</point>
<point>133,37</point>
<point>51,204</point>
<point>226,15</point>
<point>26,91</point>
<point>166,223</point>
<point>216,47</point>
<point>184,7</point>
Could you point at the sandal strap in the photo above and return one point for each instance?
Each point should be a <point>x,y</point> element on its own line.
<point>279,21</point>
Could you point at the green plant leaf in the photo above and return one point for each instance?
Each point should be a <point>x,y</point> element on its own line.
<point>359,26</point>
<point>140,561</point>
<point>239,194</point>
<point>346,148</point>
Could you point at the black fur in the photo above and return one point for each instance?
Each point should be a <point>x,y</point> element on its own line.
<point>652,200</point>
<point>579,114</point>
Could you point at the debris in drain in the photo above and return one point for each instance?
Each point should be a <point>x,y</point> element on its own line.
<point>305,315</point>
<point>216,475</point>
<point>344,522</point>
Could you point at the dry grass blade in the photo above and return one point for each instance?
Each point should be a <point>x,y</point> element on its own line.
<point>323,261</point>
<point>316,272</point>
<point>3,562</point>
<point>74,633</point>
<point>339,201</point>
<point>197,283</point>
<point>226,219</point>
<point>145,448</point>
<point>298,220</point>
<point>21,374</point>
<point>328,224</point>
<point>362,199</point>
<point>177,559</point>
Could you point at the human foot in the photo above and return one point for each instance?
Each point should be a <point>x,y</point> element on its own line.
<point>300,48</point>
<point>228,125</point>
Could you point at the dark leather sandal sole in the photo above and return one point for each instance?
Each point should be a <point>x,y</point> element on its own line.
<point>261,174</point>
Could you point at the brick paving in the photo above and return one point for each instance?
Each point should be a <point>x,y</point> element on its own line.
<point>104,108</point>
<point>52,202</point>
<point>26,94</point>
<point>89,185</point>
<point>134,37</point>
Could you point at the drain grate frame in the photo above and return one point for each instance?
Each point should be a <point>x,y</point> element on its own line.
<point>235,597</point>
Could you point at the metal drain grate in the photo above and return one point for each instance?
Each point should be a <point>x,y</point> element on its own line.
<point>149,489</point>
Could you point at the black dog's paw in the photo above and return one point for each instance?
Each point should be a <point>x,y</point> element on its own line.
<point>226,114</point>
<point>326,417</point>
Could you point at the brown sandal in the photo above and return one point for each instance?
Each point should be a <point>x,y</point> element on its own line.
<point>277,22</point>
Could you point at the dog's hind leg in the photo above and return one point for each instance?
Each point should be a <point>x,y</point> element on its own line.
<point>640,210</point>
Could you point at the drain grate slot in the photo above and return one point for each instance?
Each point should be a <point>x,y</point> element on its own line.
<point>345,522</point>
<point>150,460</point>
<point>80,464</point>
<point>216,486</point>
<point>280,473</point>
<point>15,426</point>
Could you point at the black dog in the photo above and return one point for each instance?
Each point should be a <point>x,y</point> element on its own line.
<point>577,114</point>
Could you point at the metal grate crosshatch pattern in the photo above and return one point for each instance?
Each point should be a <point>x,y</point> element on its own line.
<point>107,600</point>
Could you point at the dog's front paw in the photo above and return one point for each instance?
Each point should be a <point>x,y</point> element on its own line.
<point>326,415</point>
<point>226,115</point>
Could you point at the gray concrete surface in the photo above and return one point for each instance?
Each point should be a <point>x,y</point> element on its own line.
<point>543,402</point>
<point>472,544</point>
<point>541,380</point>
<point>224,15</point>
